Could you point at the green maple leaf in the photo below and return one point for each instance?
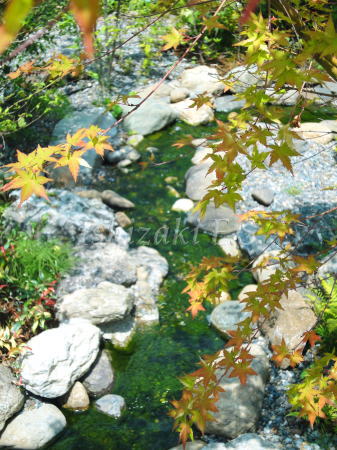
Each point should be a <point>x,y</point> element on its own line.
<point>283,153</point>
<point>173,39</point>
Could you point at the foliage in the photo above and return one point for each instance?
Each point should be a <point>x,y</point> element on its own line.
<point>29,269</point>
<point>279,44</point>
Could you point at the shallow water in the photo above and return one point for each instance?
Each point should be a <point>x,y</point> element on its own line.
<point>147,376</point>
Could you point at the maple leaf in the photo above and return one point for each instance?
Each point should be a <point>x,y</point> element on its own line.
<point>12,19</point>
<point>241,370</point>
<point>186,141</point>
<point>25,68</point>
<point>308,264</point>
<point>281,352</point>
<point>195,308</point>
<point>283,153</point>
<point>200,100</point>
<point>30,183</point>
<point>62,65</point>
<point>212,22</point>
<point>311,337</point>
<point>97,141</point>
<point>73,160</point>
<point>86,13</point>
<point>173,39</point>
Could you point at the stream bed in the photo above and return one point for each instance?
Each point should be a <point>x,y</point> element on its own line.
<point>147,375</point>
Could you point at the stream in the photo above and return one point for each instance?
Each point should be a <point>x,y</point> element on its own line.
<point>147,375</point>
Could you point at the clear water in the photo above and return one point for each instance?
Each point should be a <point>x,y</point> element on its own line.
<point>147,376</point>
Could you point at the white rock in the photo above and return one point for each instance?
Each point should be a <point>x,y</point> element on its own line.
<point>315,131</point>
<point>178,94</point>
<point>34,428</point>
<point>247,441</point>
<point>99,380</point>
<point>56,358</point>
<point>246,290</point>
<point>182,205</point>
<point>108,302</point>
<point>77,398</point>
<point>230,247</point>
<point>192,115</point>
<point>266,265</point>
<point>201,154</point>
<point>202,79</point>
<point>113,405</point>
<point>135,139</point>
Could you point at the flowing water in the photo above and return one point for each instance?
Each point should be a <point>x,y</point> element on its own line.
<point>147,376</point>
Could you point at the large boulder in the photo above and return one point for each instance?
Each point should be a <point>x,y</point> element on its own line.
<point>105,303</point>
<point>73,122</point>
<point>201,79</point>
<point>66,216</point>
<point>56,358</point>
<point>217,221</point>
<point>11,396</point>
<point>227,315</point>
<point>99,380</point>
<point>239,405</point>
<point>100,262</point>
<point>289,323</point>
<point>192,115</point>
<point>152,116</point>
<point>32,429</point>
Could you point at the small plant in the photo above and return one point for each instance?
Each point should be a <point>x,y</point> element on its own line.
<point>29,270</point>
<point>293,190</point>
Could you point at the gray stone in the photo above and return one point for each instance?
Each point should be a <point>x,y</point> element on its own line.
<point>195,445</point>
<point>240,404</point>
<point>100,262</point>
<point>124,163</point>
<point>264,196</point>
<point>82,119</point>
<point>247,441</point>
<point>198,181</point>
<point>11,396</point>
<point>77,399</point>
<point>57,357</point>
<point>152,116</point>
<point>108,302</point>
<point>155,265</point>
<point>289,323</point>
<point>111,198</point>
<point>112,405</point>
<point>217,221</point>
<point>146,312</point>
<point>135,139</point>
<point>66,216</point>
<point>201,155</point>
<point>242,77</point>
<point>319,132</point>
<point>228,103</point>
<point>99,380</point>
<point>227,315</point>
<point>120,333</point>
<point>89,193</point>
<point>122,219</point>
<point>32,429</point>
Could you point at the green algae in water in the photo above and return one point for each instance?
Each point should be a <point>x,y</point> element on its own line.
<point>148,378</point>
